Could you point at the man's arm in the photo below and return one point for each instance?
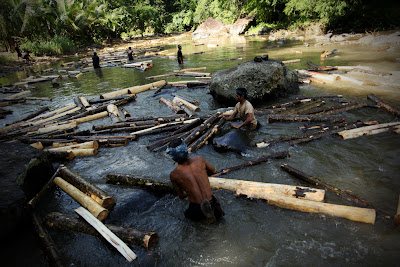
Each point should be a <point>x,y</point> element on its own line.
<point>210,168</point>
<point>232,116</point>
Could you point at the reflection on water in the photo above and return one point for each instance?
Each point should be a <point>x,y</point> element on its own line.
<point>252,232</point>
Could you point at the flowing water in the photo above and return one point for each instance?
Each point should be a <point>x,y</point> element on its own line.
<point>252,233</point>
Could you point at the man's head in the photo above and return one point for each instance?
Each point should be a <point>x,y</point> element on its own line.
<point>94,53</point>
<point>129,48</point>
<point>241,92</point>
<point>178,150</point>
<point>179,47</point>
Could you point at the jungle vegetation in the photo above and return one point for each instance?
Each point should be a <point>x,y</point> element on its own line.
<point>59,26</point>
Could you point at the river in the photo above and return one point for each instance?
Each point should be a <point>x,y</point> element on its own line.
<point>252,233</point>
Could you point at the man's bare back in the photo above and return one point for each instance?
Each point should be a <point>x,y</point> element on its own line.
<point>190,179</point>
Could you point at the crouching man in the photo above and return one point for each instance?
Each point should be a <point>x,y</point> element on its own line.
<point>190,179</point>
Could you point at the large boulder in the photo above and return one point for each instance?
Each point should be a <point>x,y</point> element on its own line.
<point>210,27</point>
<point>264,80</point>
<point>240,26</point>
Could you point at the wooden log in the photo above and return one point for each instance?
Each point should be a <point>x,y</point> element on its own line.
<point>52,113</point>
<point>114,94</point>
<point>72,134</point>
<point>107,234</point>
<point>96,209</point>
<point>299,118</point>
<point>32,115</point>
<point>195,122</point>
<point>191,101</point>
<point>102,100</point>
<point>163,141</point>
<point>51,128</point>
<point>319,68</point>
<point>262,159</point>
<point>37,145</point>
<point>190,69</point>
<point>98,195</point>
<point>84,152</point>
<point>333,109</point>
<point>148,123</point>
<point>342,193</point>
<point>383,105</point>
<point>165,187</point>
<point>186,103</point>
<point>157,130</point>
<point>85,145</point>
<point>351,213</point>
<point>290,61</point>
<point>47,242</point>
<point>160,76</point>
<point>178,83</point>
<point>372,72</point>
<point>99,137</point>
<point>187,110</point>
<point>169,104</point>
<point>368,130</point>
<point>115,142</point>
<point>78,103</point>
<point>142,88</point>
<point>56,155</point>
<point>113,113</point>
<point>131,236</point>
<point>323,76</point>
<point>54,117</point>
<point>84,102</point>
<point>207,135</point>
<point>192,84</point>
<point>125,112</point>
<point>198,131</point>
<point>91,117</point>
<point>307,106</point>
<point>18,95</point>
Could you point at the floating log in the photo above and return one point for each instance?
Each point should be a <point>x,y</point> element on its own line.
<point>319,68</point>
<point>55,116</point>
<point>114,94</point>
<point>59,155</point>
<point>107,234</point>
<point>125,112</point>
<point>160,76</point>
<point>322,76</point>
<point>262,159</point>
<point>113,113</point>
<point>188,126</point>
<point>131,236</point>
<point>52,113</point>
<point>190,69</point>
<point>125,124</point>
<point>196,84</point>
<point>171,126</point>
<point>383,105</point>
<point>96,209</point>
<point>207,135</point>
<point>32,115</point>
<point>47,242</point>
<point>333,109</point>
<point>368,130</point>
<point>191,101</point>
<point>290,61</point>
<point>186,103</point>
<point>171,105</point>
<point>305,107</point>
<point>78,103</point>
<point>91,117</point>
<point>84,102</point>
<point>18,95</point>
<point>142,88</point>
<point>200,129</point>
<point>165,187</point>
<point>102,100</point>
<point>181,83</point>
<point>310,118</point>
<point>163,141</point>
<point>37,145</point>
<point>85,145</point>
<point>98,195</point>
<point>51,128</point>
<point>344,194</point>
<point>187,110</point>
<point>351,213</point>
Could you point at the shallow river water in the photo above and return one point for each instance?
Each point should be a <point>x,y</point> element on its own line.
<point>252,233</point>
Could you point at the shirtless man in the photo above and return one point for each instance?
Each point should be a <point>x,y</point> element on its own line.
<point>245,111</point>
<point>190,179</point>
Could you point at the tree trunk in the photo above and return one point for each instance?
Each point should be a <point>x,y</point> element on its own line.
<point>344,194</point>
<point>277,155</point>
<point>351,213</point>
<point>383,105</point>
<point>142,88</point>
<point>60,155</point>
<point>301,118</point>
<point>131,236</point>
<point>98,211</point>
<point>187,110</point>
<point>85,186</point>
<point>186,103</point>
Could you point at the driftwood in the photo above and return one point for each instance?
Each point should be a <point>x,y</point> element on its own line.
<point>344,194</point>
<point>186,103</point>
<point>300,118</point>
<point>351,213</point>
<point>383,105</point>
<point>165,187</point>
<point>85,186</point>
<point>277,155</point>
<point>131,236</point>
<point>113,113</point>
<point>171,105</point>
<point>98,211</point>
<point>47,242</point>
<point>200,129</point>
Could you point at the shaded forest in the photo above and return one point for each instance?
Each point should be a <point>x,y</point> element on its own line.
<point>60,26</point>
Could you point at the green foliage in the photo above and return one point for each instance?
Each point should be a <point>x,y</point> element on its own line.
<point>181,22</point>
<point>58,45</point>
<point>224,10</point>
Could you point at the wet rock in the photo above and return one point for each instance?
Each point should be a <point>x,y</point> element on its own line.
<point>380,40</point>
<point>210,27</point>
<point>263,80</point>
<point>240,26</point>
<point>235,141</point>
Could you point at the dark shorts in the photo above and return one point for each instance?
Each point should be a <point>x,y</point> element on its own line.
<point>194,211</point>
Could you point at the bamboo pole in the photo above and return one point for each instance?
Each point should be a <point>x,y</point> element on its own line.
<point>131,236</point>
<point>98,195</point>
<point>352,213</point>
<point>94,208</point>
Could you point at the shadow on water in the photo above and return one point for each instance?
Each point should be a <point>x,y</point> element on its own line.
<point>252,233</point>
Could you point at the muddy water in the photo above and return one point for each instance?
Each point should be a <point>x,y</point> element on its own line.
<point>252,233</point>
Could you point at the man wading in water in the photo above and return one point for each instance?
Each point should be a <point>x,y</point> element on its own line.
<point>179,55</point>
<point>190,179</point>
<point>245,110</point>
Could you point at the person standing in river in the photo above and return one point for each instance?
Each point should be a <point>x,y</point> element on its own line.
<point>245,111</point>
<point>190,179</point>
<point>179,55</point>
<point>130,53</point>
<point>96,61</point>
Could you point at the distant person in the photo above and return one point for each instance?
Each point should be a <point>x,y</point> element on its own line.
<point>19,53</point>
<point>130,53</point>
<point>190,179</point>
<point>27,57</point>
<point>245,111</point>
<point>180,56</point>
<point>96,61</point>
